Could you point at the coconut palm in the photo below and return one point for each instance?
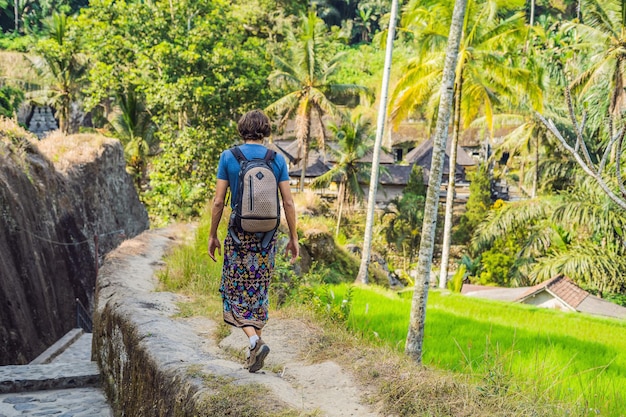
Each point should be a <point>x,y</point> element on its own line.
<point>551,50</point>
<point>354,140</point>
<point>485,74</point>
<point>529,139</point>
<point>406,215</point>
<point>63,65</point>
<point>415,334</point>
<point>307,76</point>
<point>134,127</point>
<point>604,32</point>
<point>578,234</point>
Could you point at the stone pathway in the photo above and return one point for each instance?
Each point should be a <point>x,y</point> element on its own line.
<point>67,386</point>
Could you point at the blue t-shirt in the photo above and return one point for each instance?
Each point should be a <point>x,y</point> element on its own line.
<point>228,167</point>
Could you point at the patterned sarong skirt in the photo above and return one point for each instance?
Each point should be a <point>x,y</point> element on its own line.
<point>246,277</point>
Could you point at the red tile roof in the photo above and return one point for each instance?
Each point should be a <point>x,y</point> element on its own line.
<point>560,287</point>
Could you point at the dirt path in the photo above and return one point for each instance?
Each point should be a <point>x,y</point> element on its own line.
<point>324,387</point>
<point>320,389</point>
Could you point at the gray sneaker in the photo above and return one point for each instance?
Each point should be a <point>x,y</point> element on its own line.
<point>256,356</point>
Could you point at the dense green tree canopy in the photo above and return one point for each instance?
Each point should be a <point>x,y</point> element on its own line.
<point>194,69</point>
<point>170,79</point>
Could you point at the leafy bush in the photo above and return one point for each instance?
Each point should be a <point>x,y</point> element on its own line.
<point>330,305</point>
<point>456,283</point>
<point>617,299</point>
<point>405,215</point>
<point>286,284</point>
<point>15,43</point>
<point>183,172</point>
<point>495,268</point>
<point>10,99</point>
<point>477,205</point>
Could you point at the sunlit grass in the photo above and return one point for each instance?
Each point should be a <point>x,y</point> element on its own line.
<point>565,356</point>
<point>488,388</point>
<point>191,272</point>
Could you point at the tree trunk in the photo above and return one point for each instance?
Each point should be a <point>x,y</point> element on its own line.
<point>305,151</point>
<point>536,171</point>
<point>305,162</point>
<point>447,228</point>
<point>520,180</point>
<point>341,196</point>
<point>415,336</point>
<point>16,12</point>
<point>322,137</point>
<point>362,276</point>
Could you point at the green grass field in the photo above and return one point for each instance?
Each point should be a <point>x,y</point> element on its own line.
<point>548,356</point>
<point>569,357</point>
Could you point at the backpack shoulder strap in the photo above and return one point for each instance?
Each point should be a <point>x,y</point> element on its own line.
<point>238,154</point>
<point>269,156</point>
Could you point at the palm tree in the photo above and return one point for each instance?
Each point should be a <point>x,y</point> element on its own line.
<point>604,31</point>
<point>307,76</point>
<point>526,140</point>
<point>415,335</point>
<point>578,234</point>
<point>134,127</point>
<point>354,140</point>
<point>549,54</point>
<point>484,75</point>
<point>406,213</point>
<point>63,65</point>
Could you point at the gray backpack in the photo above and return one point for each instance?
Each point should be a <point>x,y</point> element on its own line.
<point>257,207</point>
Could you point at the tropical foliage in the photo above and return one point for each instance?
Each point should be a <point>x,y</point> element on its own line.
<point>178,73</point>
<point>539,87</point>
<point>354,139</point>
<point>21,16</point>
<point>10,100</point>
<point>170,79</point>
<point>64,66</point>
<point>477,206</point>
<point>578,233</point>
<point>305,73</point>
<point>404,216</point>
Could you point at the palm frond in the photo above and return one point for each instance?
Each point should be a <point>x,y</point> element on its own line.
<point>508,219</point>
<point>285,106</point>
<point>587,264</point>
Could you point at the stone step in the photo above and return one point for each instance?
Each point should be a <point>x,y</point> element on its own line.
<point>78,351</point>
<point>78,402</point>
<point>27,378</point>
<point>59,347</point>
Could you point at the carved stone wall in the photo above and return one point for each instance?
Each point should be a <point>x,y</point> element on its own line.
<point>50,221</point>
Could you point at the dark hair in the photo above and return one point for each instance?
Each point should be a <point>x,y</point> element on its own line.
<point>254,125</point>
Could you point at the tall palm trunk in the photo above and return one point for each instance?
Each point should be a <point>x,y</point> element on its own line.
<point>341,196</point>
<point>616,104</point>
<point>447,227</point>
<point>322,137</point>
<point>521,180</point>
<point>362,275</point>
<point>530,24</point>
<point>64,112</point>
<point>305,138</point>
<point>16,12</point>
<point>415,336</point>
<point>536,171</point>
